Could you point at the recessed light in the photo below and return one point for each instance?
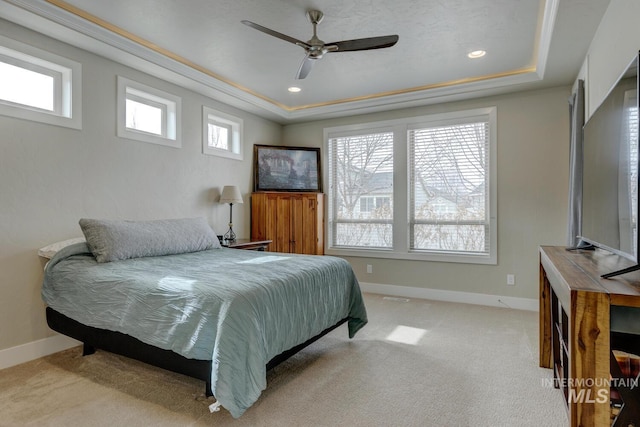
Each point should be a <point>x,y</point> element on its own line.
<point>294,89</point>
<point>477,54</point>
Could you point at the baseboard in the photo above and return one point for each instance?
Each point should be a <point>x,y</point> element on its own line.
<point>452,296</point>
<point>34,350</point>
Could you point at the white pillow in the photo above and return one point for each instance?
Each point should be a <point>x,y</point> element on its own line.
<point>50,250</point>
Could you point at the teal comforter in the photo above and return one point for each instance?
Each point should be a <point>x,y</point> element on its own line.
<point>237,308</point>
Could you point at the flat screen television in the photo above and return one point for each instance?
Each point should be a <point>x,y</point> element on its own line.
<point>610,172</point>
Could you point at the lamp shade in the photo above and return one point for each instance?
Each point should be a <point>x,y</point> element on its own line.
<point>231,194</point>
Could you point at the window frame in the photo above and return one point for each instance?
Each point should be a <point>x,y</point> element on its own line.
<point>401,203</point>
<point>67,85</point>
<point>234,126</point>
<point>170,105</point>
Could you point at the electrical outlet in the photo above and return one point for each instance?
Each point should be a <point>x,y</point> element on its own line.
<point>511,279</point>
<point>369,268</point>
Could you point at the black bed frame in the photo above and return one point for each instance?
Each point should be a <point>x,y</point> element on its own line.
<point>125,345</point>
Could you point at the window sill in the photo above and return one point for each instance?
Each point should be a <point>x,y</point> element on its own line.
<point>414,256</point>
<point>147,137</point>
<point>221,153</point>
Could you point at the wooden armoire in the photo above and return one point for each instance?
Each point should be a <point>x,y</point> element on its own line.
<point>293,221</point>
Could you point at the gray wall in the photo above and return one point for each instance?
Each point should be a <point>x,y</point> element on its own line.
<point>533,153</point>
<point>52,176</point>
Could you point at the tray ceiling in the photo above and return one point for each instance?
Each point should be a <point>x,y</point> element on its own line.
<point>201,44</point>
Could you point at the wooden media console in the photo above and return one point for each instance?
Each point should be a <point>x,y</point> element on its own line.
<point>577,341</point>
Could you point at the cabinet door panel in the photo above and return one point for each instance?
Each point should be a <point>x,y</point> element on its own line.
<point>298,235</point>
<point>270,222</point>
<point>307,219</point>
<point>283,224</point>
<point>259,214</point>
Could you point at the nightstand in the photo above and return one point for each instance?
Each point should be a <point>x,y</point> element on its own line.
<point>248,244</point>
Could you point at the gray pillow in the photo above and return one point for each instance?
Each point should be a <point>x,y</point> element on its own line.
<point>111,240</point>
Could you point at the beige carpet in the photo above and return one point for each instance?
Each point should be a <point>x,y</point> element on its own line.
<point>459,365</point>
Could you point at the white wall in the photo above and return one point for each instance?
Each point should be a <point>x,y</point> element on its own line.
<point>533,158</point>
<point>51,176</point>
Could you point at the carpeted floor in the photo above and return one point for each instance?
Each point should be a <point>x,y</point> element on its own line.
<point>417,363</point>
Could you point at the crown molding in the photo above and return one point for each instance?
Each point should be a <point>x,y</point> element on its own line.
<point>62,21</point>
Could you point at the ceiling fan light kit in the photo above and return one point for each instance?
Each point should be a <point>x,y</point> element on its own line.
<point>316,48</point>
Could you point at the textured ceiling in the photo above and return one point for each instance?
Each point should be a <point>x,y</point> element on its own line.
<point>529,44</point>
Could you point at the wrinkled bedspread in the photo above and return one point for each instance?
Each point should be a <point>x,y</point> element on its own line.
<point>237,308</point>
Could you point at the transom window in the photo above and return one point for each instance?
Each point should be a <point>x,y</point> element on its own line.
<point>419,188</point>
<point>144,114</point>
<point>221,134</point>
<point>148,114</point>
<point>28,85</point>
<point>218,136</point>
<point>38,85</point>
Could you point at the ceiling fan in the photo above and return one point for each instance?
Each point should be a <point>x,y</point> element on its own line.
<point>316,48</point>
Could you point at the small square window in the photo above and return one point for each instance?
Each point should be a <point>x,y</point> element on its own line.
<point>144,117</point>
<point>221,134</point>
<point>20,85</point>
<point>148,114</point>
<point>218,136</point>
<point>38,85</point>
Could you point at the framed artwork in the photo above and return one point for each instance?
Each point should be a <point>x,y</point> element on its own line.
<point>279,168</point>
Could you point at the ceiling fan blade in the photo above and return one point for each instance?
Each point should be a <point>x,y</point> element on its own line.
<point>363,44</point>
<point>276,34</point>
<point>305,67</point>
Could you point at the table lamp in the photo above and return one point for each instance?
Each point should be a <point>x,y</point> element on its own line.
<point>230,194</point>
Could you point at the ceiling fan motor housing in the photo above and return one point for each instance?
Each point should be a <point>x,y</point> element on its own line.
<point>315,16</point>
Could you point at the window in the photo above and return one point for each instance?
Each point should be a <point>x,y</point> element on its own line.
<point>360,171</point>
<point>419,188</point>
<point>145,115</point>
<point>38,85</point>
<point>221,134</point>
<point>448,187</point>
<point>29,88</point>
<point>148,114</point>
<point>630,150</point>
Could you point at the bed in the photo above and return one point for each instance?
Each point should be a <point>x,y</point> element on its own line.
<point>221,315</point>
